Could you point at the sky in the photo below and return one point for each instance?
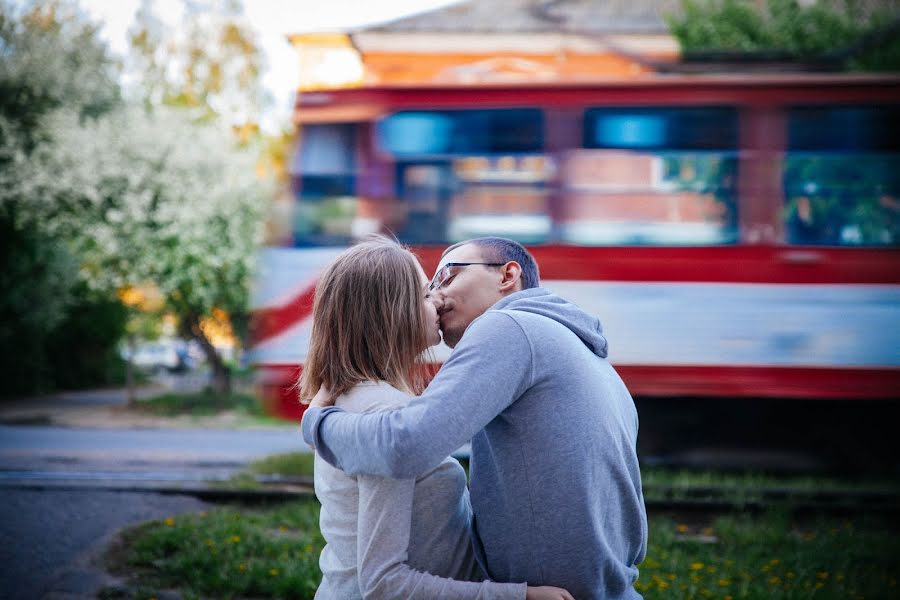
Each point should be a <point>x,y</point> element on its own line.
<point>272,21</point>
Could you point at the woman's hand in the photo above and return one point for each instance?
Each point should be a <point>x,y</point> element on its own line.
<point>322,398</point>
<point>545,592</point>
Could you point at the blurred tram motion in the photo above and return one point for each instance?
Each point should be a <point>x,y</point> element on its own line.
<point>738,236</point>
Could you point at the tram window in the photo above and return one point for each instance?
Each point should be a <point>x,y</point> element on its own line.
<point>652,176</point>
<point>473,196</point>
<point>469,173</point>
<point>324,170</point>
<point>458,132</point>
<point>842,176</point>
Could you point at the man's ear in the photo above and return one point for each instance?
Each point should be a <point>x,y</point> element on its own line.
<point>512,274</point>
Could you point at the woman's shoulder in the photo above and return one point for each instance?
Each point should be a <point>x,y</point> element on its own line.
<point>371,396</point>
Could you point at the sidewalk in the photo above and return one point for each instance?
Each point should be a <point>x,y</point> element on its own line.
<point>108,408</point>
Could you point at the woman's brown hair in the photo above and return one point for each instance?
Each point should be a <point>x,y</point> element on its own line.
<point>367,321</point>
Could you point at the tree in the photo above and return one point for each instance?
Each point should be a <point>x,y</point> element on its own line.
<point>212,63</point>
<point>154,198</point>
<point>50,58</point>
<point>852,34</point>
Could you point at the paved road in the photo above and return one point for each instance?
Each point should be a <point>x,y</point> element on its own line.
<point>148,444</point>
<point>46,536</point>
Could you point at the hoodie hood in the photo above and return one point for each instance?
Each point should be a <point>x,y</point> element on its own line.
<point>543,302</point>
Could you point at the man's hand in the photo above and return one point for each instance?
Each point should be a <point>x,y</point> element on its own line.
<point>545,592</point>
<point>322,398</point>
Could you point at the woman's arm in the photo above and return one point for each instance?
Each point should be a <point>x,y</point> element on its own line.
<point>383,533</point>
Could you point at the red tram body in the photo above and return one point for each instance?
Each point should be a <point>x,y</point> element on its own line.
<point>737,236</point>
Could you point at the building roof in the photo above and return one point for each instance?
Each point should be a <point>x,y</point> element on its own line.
<point>533,16</point>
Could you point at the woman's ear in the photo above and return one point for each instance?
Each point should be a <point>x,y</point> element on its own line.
<point>512,274</point>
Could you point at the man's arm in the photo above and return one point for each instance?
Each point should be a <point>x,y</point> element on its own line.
<point>490,368</point>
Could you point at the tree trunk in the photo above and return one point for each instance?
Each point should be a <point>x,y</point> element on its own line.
<point>221,380</point>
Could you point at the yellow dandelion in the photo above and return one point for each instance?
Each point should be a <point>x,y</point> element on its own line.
<point>819,585</point>
<point>235,539</point>
<point>724,582</point>
<point>840,577</point>
<point>728,598</point>
<point>309,548</point>
<point>283,529</point>
<point>242,567</point>
<point>707,531</point>
<point>210,542</point>
<point>671,577</point>
<point>710,569</point>
<point>662,584</point>
<point>169,521</point>
<point>273,572</point>
<point>775,561</point>
<point>790,575</point>
<point>697,566</point>
<point>681,528</point>
<point>774,580</point>
<point>822,575</point>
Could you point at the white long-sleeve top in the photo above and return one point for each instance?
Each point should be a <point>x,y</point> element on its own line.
<point>398,538</point>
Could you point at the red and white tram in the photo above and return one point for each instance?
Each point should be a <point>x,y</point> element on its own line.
<point>738,236</point>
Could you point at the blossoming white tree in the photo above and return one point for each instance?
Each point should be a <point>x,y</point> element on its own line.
<point>153,198</point>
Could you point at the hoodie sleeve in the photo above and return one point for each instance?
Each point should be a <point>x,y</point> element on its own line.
<point>490,368</point>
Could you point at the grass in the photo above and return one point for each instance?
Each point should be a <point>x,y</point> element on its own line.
<point>226,553</point>
<point>247,407</point>
<point>770,557</point>
<point>667,484</point>
<point>289,464</point>
<point>273,553</point>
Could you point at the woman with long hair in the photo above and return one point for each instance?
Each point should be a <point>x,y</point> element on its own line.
<point>388,538</point>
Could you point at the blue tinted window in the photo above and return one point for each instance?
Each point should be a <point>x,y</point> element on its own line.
<point>844,128</point>
<point>430,133</point>
<point>324,170</point>
<point>693,128</point>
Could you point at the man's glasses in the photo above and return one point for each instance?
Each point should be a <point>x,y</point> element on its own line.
<point>446,273</point>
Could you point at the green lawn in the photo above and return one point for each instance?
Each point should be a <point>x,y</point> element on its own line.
<point>226,553</point>
<point>273,553</point>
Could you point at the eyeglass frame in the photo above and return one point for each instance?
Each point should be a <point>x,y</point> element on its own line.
<point>433,285</point>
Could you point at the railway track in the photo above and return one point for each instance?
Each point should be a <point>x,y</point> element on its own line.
<point>694,500</point>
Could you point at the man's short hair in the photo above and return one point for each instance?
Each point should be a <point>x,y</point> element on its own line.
<point>497,249</point>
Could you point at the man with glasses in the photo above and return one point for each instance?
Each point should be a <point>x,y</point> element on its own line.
<point>555,482</point>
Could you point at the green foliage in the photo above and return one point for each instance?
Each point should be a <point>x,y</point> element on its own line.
<point>51,57</point>
<point>290,464</point>
<point>202,404</point>
<point>54,331</point>
<point>805,31</point>
<point>83,349</point>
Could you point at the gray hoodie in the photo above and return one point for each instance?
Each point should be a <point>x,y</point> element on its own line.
<point>555,482</point>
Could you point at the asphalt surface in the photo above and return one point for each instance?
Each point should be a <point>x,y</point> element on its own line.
<point>148,444</point>
<point>48,539</point>
<point>57,513</point>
